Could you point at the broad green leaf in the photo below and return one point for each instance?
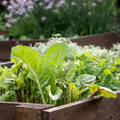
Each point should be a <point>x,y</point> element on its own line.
<point>33,60</point>
<point>72,93</point>
<point>42,68</point>
<point>16,67</point>
<point>15,60</point>
<point>93,88</point>
<point>67,71</point>
<point>106,92</point>
<point>56,54</point>
<point>56,95</point>
<point>84,80</point>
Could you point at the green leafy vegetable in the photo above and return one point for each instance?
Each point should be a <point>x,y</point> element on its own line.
<point>106,92</point>
<point>84,80</point>
<point>62,73</point>
<point>42,67</point>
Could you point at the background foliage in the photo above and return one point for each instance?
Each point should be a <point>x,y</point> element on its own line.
<point>41,18</point>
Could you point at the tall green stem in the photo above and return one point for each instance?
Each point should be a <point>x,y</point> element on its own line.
<point>42,96</point>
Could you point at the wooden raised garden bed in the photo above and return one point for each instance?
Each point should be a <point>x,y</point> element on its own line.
<point>98,108</point>
<point>104,40</point>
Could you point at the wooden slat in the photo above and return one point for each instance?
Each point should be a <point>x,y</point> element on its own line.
<point>96,109</point>
<point>5,47</point>
<point>21,111</point>
<point>30,111</point>
<point>105,40</point>
<point>7,110</point>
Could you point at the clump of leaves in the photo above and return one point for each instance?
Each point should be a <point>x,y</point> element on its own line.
<point>59,74</point>
<point>106,92</point>
<point>2,37</point>
<point>56,38</point>
<point>2,21</point>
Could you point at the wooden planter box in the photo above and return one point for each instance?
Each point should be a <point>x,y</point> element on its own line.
<point>98,108</point>
<point>104,40</point>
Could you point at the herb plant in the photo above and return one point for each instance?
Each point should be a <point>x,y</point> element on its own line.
<point>3,11</point>
<point>41,18</point>
<point>2,22</point>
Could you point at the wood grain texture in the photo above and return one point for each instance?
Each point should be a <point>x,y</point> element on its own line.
<point>30,111</point>
<point>5,47</point>
<point>105,40</point>
<point>7,110</point>
<point>89,109</point>
<point>11,110</point>
<point>98,108</point>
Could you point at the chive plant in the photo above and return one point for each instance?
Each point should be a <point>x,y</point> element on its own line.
<point>41,18</point>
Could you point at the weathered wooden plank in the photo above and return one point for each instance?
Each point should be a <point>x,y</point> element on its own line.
<point>89,109</point>
<point>105,40</point>
<point>7,110</point>
<point>5,47</point>
<point>30,111</point>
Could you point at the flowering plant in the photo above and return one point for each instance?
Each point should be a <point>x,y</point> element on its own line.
<point>3,11</point>
<point>41,18</point>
